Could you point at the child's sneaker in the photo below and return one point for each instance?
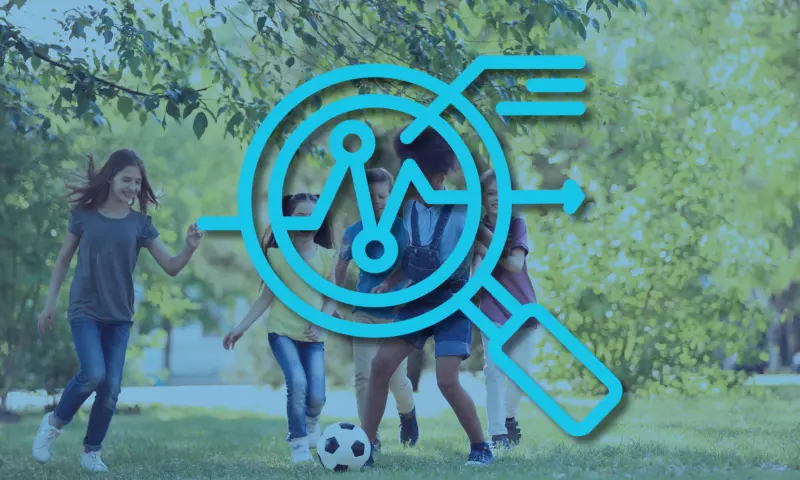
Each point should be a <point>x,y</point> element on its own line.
<point>43,442</point>
<point>409,429</point>
<point>91,462</point>
<point>480,454</point>
<point>300,451</point>
<point>312,427</point>
<point>514,433</point>
<point>376,445</point>
<point>500,443</point>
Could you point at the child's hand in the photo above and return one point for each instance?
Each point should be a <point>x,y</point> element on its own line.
<point>193,236</point>
<point>231,338</point>
<point>46,319</point>
<point>381,288</point>
<point>480,249</point>
<point>313,332</point>
<point>508,246</point>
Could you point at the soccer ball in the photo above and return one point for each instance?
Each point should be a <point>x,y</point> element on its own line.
<point>342,447</point>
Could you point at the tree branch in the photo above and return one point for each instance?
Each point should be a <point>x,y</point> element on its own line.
<point>16,36</point>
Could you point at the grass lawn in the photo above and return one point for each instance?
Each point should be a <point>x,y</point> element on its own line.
<point>733,438</point>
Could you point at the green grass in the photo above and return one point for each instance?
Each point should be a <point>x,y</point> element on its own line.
<point>741,438</point>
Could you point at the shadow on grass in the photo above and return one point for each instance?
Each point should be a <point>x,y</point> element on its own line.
<point>611,420</point>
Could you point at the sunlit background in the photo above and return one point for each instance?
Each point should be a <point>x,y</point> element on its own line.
<point>681,273</point>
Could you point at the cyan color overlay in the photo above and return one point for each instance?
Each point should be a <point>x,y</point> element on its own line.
<point>570,197</point>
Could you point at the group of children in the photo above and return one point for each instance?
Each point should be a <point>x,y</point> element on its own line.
<point>101,308</point>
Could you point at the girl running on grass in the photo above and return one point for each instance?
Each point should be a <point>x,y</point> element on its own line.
<point>502,401</point>
<point>298,345</point>
<point>108,234</point>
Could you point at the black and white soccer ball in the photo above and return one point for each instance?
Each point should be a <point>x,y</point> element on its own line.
<point>343,447</point>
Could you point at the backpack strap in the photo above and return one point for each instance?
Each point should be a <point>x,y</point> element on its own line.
<point>444,216</point>
<point>415,241</point>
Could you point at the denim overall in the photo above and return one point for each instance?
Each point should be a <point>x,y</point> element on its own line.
<point>420,261</point>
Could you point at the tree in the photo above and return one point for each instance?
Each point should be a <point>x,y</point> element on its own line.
<point>31,226</point>
<point>231,64</point>
<point>665,270</point>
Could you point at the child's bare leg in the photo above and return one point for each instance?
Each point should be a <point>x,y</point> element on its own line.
<point>447,369</point>
<point>391,354</point>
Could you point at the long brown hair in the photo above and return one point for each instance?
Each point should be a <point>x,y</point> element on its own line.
<point>323,237</point>
<point>97,186</point>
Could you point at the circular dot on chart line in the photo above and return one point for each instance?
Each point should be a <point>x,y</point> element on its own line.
<point>358,129</point>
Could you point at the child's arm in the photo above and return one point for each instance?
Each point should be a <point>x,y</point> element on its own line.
<point>514,261</point>
<point>256,310</point>
<point>68,248</point>
<point>329,307</point>
<point>340,272</point>
<point>344,257</point>
<point>173,265</point>
<point>485,235</point>
<point>391,281</point>
<point>477,258</point>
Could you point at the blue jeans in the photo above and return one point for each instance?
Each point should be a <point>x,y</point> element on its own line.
<point>101,351</point>
<point>303,365</point>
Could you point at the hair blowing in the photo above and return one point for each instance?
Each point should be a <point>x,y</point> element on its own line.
<point>289,203</point>
<point>97,186</point>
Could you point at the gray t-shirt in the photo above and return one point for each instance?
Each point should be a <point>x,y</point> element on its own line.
<point>102,288</point>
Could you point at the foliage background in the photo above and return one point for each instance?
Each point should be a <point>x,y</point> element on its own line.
<point>687,252</point>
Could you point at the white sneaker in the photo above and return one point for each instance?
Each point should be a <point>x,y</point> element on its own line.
<point>91,462</point>
<point>43,442</point>
<point>312,427</point>
<point>300,452</point>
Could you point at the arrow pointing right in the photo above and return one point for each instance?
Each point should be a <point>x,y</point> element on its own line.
<point>570,196</point>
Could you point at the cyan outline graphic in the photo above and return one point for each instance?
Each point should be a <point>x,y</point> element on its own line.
<point>570,197</point>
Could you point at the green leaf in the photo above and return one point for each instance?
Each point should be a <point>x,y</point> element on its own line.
<point>290,62</point>
<point>189,109</point>
<point>260,23</point>
<point>35,62</point>
<point>66,93</point>
<point>530,21</point>
<point>77,30</point>
<point>310,40</point>
<point>339,50</point>
<point>151,103</point>
<point>142,117</point>
<point>125,105</point>
<point>208,39</point>
<point>199,125</point>
<point>173,110</point>
<point>233,122</point>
